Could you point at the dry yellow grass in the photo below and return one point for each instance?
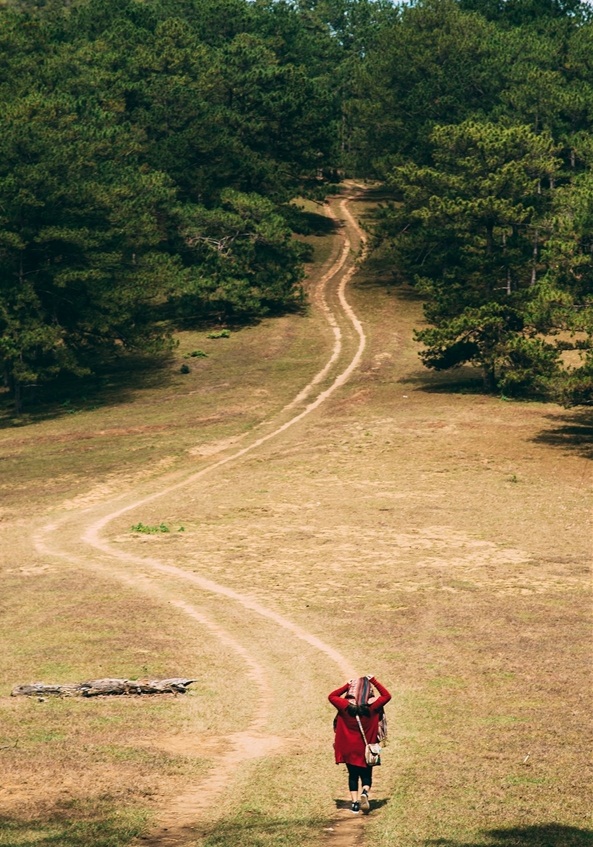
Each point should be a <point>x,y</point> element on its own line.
<point>434,536</point>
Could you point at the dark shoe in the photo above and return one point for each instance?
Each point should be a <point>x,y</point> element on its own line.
<point>355,808</point>
<point>364,803</point>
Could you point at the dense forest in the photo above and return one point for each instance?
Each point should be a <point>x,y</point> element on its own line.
<point>150,150</point>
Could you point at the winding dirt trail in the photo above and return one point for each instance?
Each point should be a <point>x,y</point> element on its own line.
<point>80,536</point>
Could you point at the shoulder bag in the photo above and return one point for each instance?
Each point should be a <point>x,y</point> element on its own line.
<point>372,752</point>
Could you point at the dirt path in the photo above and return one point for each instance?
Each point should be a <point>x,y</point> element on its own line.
<point>79,536</point>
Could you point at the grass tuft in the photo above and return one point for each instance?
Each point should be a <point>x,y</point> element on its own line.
<point>151,530</point>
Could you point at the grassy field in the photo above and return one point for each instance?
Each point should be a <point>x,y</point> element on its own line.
<point>435,536</point>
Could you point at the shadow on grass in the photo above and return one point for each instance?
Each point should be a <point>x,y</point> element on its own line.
<point>256,830</point>
<point>464,380</point>
<point>99,828</point>
<point>304,222</point>
<point>543,835</point>
<point>112,384</point>
<point>573,431</point>
<point>313,223</point>
<point>375,804</point>
<point>380,192</point>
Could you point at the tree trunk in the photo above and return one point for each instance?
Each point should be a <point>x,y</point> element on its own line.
<point>96,687</point>
<point>504,250</point>
<point>17,393</point>
<point>489,379</point>
<point>535,253</point>
<point>489,238</point>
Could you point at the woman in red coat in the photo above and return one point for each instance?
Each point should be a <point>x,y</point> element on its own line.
<point>357,698</point>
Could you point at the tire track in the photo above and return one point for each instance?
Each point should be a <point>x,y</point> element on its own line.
<point>92,534</point>
<point>102,557</point>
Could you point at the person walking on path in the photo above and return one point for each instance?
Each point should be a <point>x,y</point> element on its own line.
<point>357,698</point>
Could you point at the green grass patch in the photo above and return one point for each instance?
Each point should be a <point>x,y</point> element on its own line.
<point>525,780</point>
<point>38,736</point>
<point>150,530</point>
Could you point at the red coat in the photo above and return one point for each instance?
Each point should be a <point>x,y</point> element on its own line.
<point>348,743</point>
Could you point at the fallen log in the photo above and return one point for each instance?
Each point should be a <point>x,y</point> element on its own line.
<point>100,687</point>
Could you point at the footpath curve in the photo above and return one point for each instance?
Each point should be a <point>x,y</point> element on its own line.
<point>79,536</point>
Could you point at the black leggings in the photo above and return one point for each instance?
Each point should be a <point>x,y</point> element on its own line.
<point>355,773</point>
